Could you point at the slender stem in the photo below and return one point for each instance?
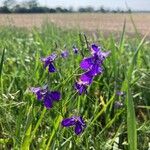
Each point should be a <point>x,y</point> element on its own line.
<point>38,123</point>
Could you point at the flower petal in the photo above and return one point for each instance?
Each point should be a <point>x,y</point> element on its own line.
<point>96,69</point>
<point>94,49</point>
<point>51,68</point>
<point>86,63</point>
<point>81,121</point>
<point>81,88</point>
<point>65,54</point>
<point>86,78</point>
<point>55,95</point>
<point>49,59</point>
<point>67,122</point>
<point>78,128</point>
<point>48,103</point>
<point>102,55</point>
<point>38,92</point>
<point>75,50</point>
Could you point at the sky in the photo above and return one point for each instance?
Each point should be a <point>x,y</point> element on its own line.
<point>111,4</point>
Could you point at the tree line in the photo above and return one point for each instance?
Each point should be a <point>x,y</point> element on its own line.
<point>32,6</point>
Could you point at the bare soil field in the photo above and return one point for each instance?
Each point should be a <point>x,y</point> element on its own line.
<point>85,21</point>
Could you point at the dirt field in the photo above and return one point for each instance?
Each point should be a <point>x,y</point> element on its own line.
<point>89,22</point>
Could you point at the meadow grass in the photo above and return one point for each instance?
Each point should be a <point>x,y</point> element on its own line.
<point>26,124</point>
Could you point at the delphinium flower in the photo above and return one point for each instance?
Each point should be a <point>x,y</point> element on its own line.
<point>49,62</point>
<point>120,93</point>
<point>76,121</point>
<point>48,97</point>
<point>81,87</point>
<point>92,65</point>
<point>75,50</point>
<point>64,54</point>
<point>118,105</point>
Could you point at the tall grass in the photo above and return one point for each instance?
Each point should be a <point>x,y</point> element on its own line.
<point>26,124</point>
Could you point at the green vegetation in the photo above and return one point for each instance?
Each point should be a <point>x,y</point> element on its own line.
<point>26,124</point>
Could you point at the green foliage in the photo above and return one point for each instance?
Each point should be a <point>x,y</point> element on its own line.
<point>26,124</point>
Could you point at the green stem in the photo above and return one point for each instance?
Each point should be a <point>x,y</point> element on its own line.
<point>38,123</point>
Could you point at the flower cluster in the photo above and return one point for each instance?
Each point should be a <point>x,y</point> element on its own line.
<point>76,121</point>
<point>48,97</point>
<point>49,62</point>
<point>92,66</point>
<point>43,94</point>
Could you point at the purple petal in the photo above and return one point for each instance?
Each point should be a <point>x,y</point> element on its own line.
<point>49,59</point>
<point>51,68</point>
<point>78,128</point>
<point>105,54</point>
<point>120,93</point>
<point>118,105</point>
<point>102,55</point>
<point>96,69</point>
<point>68,122</point>
<point>55,95</point>
<point>81,121</point>
<point>86,63</point>
<point>75,50</point>
<point>81,88</point>
<point>38,92</point>
<point>94,49</point>
<point>64,54</point>
<point>86,78</point>
<point>48,103</point>
<point>35,89</point>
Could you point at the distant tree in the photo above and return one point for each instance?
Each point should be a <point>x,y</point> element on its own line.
<point>4,9</point>
<point>129,10</point>
<point>89,9</point>
<point>9,3</point>
<point>70,9</point>
<point>81,10</point>
<point>32,3</point>
<point>102,9</point>
<point>51,10</point>
<point>58,9</point>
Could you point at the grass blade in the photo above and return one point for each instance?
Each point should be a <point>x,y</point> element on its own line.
<point>131,122</point>
<point>1,68</point>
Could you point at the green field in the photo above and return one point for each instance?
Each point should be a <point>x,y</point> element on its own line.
<point>112,122</point>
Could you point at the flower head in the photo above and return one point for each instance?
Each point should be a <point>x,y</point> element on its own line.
<point>93,67</point>
<point>76,121</point>
<point>64,54</point>
<point>81,87</point>
<point>39,92</point>
<point>48,62</point>
<point>75,50</point>
<point>48,97</point>
<point>120,93</point>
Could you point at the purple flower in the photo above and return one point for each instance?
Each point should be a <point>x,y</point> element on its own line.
<point>76,121</point>
<point>120,93</point>
<point>39,92</point>
<point>48,62</point>
<point>93,64</point>
<point>86,78</point>
<point>48,97</point>
<point>75,50</point>
<point>81,87</point>
<point>118,105</point>
<point>64,54</point>
<point>93,67</point>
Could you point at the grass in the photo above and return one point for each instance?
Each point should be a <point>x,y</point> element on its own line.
<point>26,124</point>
